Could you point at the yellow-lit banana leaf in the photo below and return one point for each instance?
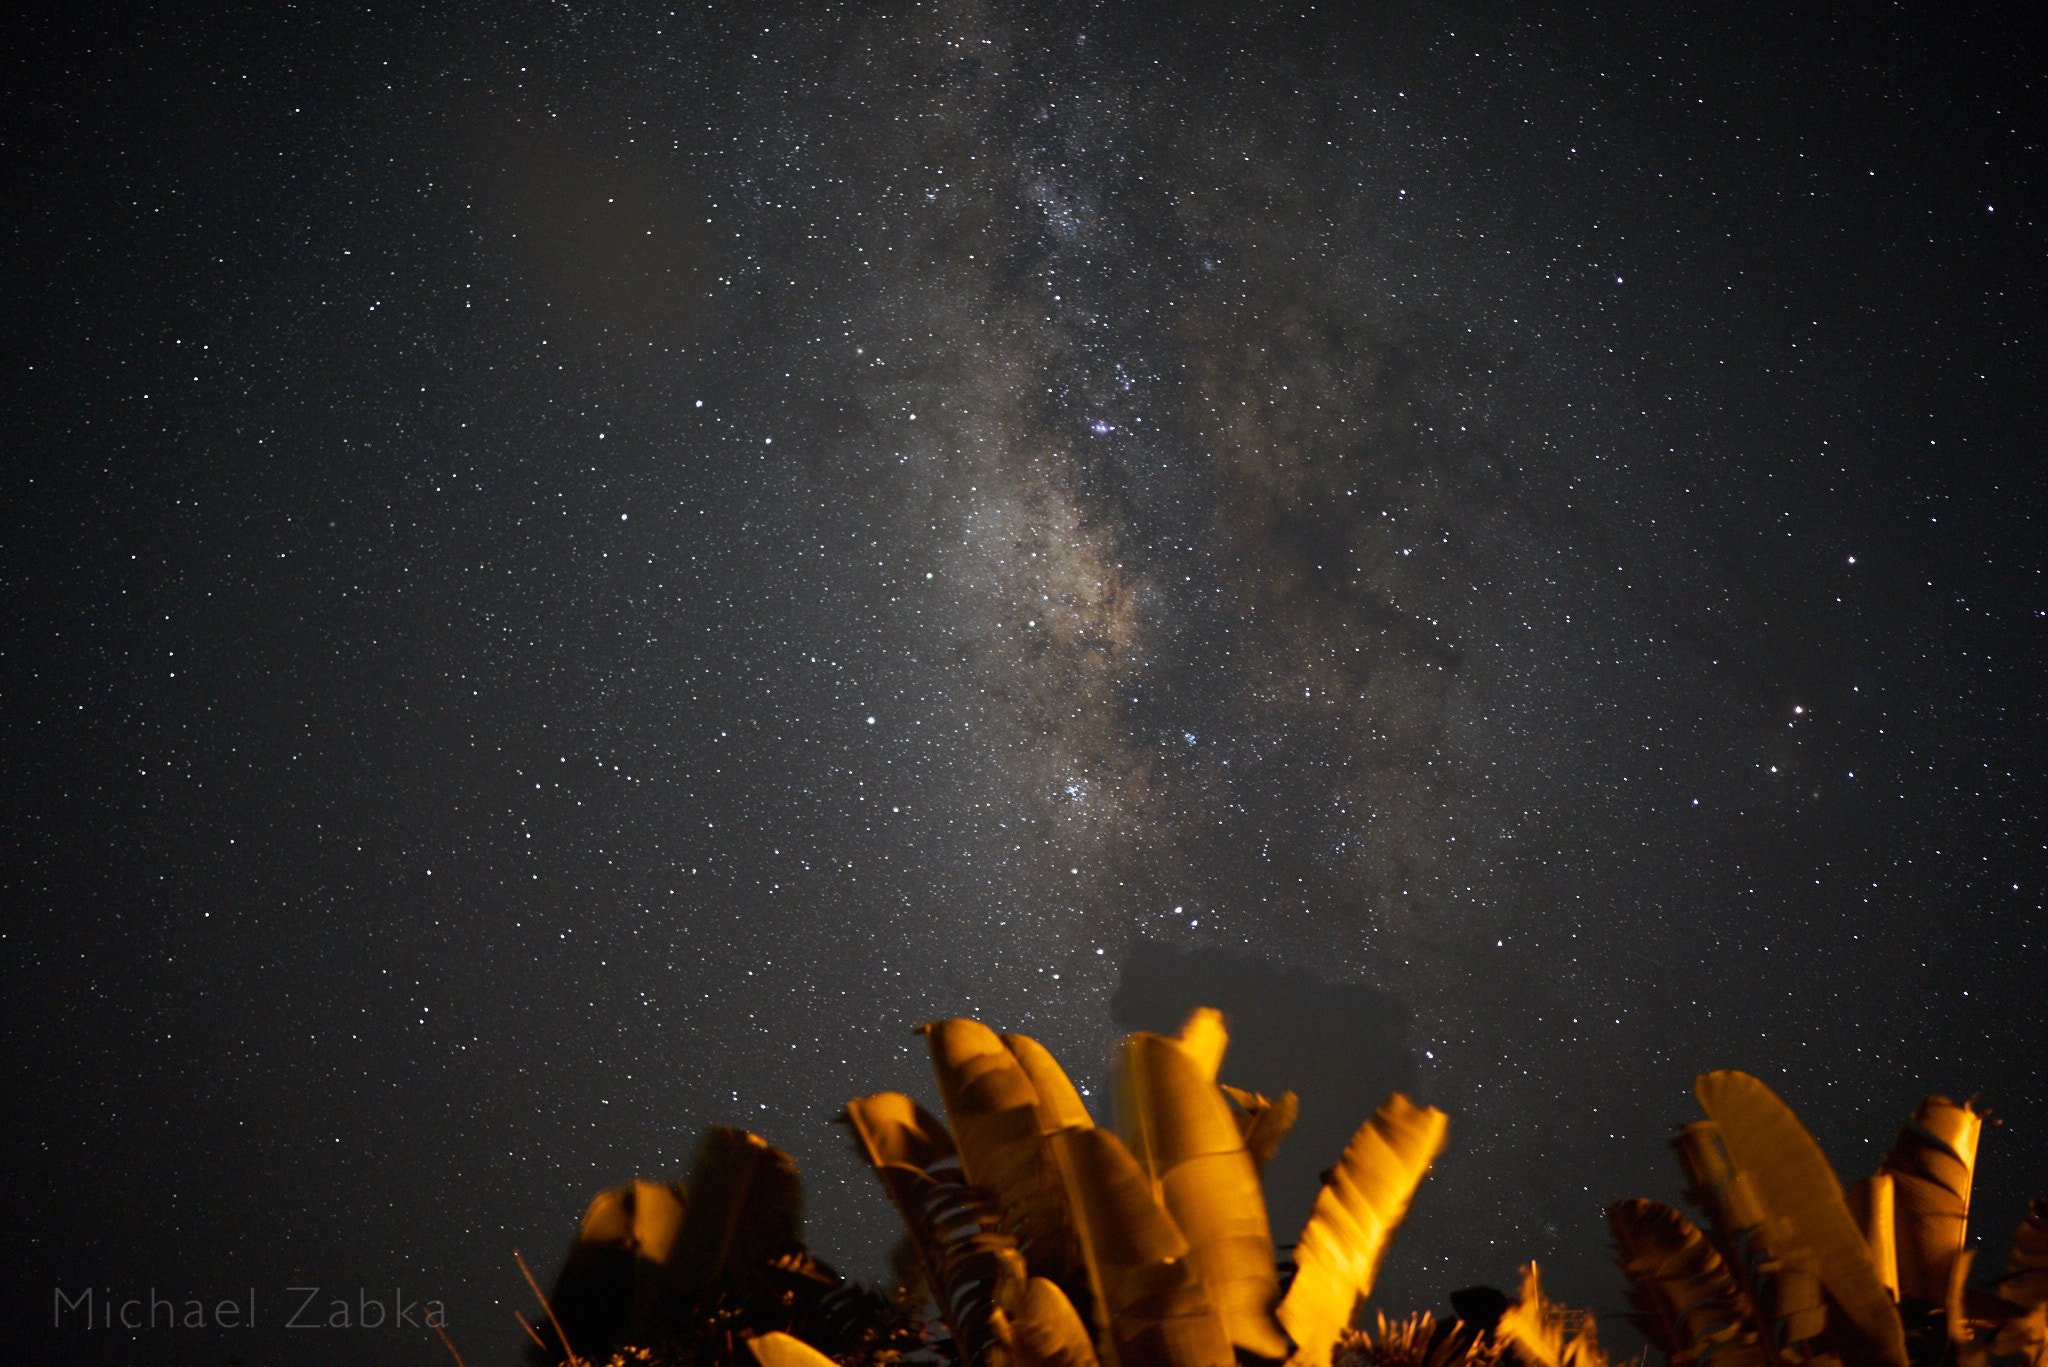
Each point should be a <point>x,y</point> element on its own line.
<point>1871,1202</point>
<point>1180,1128</point>
<point>894,1131</point>
<point>1151,1307</point>
<point>618,1265</point>
<point>746,1205</point>
<point>1687,1301</point>
<point>1794,1181</point>
<point>786,1350</point>
<point>2026,1266</point>
<point>1760,1249</point>
<point>645,1219</point>
<point>1047,1331</point>
<point>973,1266</point>
<point>996,1117</point>
<point>1262,1122</point>
<point>641,1216</point>
<point>1547,1335</point>
<point>1356,1212</point>
<point>1931,1164</point>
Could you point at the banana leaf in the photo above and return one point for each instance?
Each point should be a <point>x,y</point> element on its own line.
<point>617,1266</point>
<point>786,1350</point>
<point>1187,1142</point>
<point>656,1211</point>
<point>1152,1308</point>
<point>1262,1122</point>
<point>642,1217</point>
<point>894,1131</point>
<point>746,1208</point>
<point>2026,1266</point>
<point>1871,1202</point>
<point>995,1112</point>
<point>1760,1248</point>
<point>1687,1301</point>
<point>1059,1105</point>
<point>1931,1164</point>
<point>1792,1178</point>
<point>1047,1331</point>
<point>1362,1201</point>
<point>973,1266</point>
<point>1547,1335</point>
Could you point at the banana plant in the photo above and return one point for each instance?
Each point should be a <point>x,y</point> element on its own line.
<point>1363,1200</point>
<point>972,1264</point>
<point>1794,1270</point>
<point>1146,1245</point>
<point>1005,1097</point>
<point>1795,1184</point>
<point>1781,1288</point>
<point>1687,1300</point>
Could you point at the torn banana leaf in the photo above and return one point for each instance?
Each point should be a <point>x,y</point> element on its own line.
<point>647,1218</point>
<point>1795,1182</point>
<point>1151,1307</point>
<point>995,1112</point>
<point>1687,1301</point>
<point>893,1130</point>
<point>1546,1334</point>
<point>1931,1164</point>
<point>1362,1201</point>
<point>974,1268</point>
<point>1262,1122</point>
<point>1776,1271</point>
<point>642,1217</point>
<point>1180,1128</point>
<point>618,1266</point>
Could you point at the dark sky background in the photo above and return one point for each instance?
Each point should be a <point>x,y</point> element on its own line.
<point>572,572</point>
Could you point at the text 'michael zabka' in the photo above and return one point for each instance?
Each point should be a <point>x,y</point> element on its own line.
<point>100,1308</point>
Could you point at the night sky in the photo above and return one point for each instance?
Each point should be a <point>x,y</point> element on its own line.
<point>571,572</point>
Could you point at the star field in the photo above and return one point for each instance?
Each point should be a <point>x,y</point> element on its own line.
<point>573,572</point>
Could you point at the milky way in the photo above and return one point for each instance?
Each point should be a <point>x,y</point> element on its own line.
<point>574,574</point>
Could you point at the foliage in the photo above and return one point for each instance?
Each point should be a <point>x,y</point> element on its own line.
<point>1545,1334</point>
<point>1043,1240</point>
<point>1792,1270</point>
<point>1687,1301</point>
<point>677,1273</point>
<point>1417,1340</point>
